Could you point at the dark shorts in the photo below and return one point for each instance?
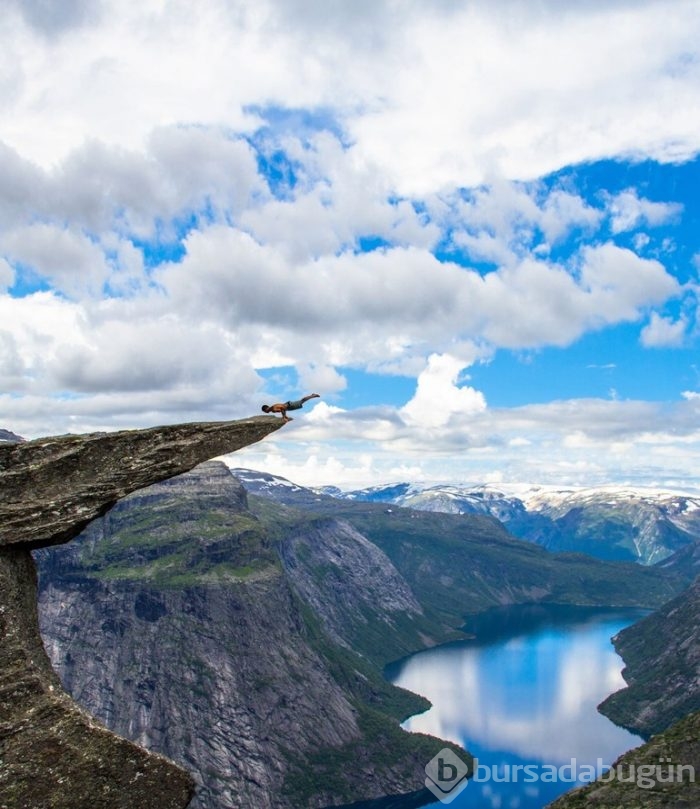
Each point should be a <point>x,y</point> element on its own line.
<point>294,405</point>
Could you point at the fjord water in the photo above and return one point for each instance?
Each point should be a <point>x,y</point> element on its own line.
<point>523,692</point>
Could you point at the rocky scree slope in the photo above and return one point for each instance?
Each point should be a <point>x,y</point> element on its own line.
<point>52,753</point>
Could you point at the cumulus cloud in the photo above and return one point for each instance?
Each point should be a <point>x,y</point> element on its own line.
<point>663,331</point>
<point>574,442</point>
<point>53,18</point>
<point>70,260</point>
<point>314,377</point>
<point>329,190</point>
<point>556,64</point>
<point>386,310</point>
<point>7,275</point>
<point>368,300</point>
<point>438,397</point>
<point>628,211</point>
<point>506,82</point>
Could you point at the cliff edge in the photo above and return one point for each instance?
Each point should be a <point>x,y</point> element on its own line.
<point>52,753</point>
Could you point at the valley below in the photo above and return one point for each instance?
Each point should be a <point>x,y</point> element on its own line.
<point>240,625</point>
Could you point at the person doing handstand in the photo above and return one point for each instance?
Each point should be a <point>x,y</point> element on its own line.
<point>283,407</point>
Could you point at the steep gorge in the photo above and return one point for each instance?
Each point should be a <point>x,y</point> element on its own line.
<point>183,623</point>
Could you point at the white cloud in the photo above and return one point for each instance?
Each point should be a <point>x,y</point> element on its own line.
<point>367,300</point>
<point>438,397</point>
<point>311,467</point>
<point>70,260</point>
<point>135,132</point>
<point>575,442</point>
<point>504,221</point>
<point>132,354</point>
<point>7,275</point>
<point>232,304</point>
<point>628,211</point>
<point>519,77</point>
<point>663,331</point>
<point>620,282</point>
<point>35,327</point>
<point>563,211</point>
<point>314,378</point>
<point>54,18</point>
<point>506,82</point>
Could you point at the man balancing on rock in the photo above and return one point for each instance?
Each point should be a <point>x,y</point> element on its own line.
<point>282,408</point>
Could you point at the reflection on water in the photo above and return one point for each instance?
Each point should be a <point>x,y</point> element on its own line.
<point>524,691</point>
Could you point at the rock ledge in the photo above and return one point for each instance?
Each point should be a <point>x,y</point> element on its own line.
<point>52,753</point>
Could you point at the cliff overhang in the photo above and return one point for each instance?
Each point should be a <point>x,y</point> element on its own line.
<point>52,753</point>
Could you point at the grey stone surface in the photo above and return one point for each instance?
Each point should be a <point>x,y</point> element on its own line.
<point>52,754</point>
<point>53,487</point>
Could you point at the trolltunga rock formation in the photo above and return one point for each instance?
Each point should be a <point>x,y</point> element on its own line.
<point>52,753</point>
<point>53,487</point>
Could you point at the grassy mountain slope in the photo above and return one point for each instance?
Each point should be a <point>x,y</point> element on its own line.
<point>650,778</point>
<point>244,636</point>
<point>662,657</point>
<point>462,564</point>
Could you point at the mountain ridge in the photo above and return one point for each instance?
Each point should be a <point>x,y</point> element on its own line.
<point>280,576</point>
<point>610,522</point>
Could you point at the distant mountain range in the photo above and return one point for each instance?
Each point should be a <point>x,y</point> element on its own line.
<point>615,523</point>
<point>9,437</point>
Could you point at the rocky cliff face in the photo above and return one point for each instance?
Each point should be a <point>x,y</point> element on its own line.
<point>186,624</point>
<point>51,752</point>
<point>661,774</point>
<point>53,487</point>
<point>361,599</point>
<point>662,657</point>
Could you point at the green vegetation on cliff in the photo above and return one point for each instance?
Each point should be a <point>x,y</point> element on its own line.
<point>246,637</point>
<point>662,667</point>
<point>227,642</point>
<point>664,773</point>
<point>463,564</point>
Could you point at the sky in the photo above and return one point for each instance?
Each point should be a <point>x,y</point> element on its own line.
<point>472,227</point>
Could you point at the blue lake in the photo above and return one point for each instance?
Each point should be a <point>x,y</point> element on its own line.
<point>523,694</point>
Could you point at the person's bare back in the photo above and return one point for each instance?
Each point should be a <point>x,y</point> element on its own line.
<point>283,407</point>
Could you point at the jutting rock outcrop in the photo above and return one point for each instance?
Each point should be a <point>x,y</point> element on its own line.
<point>53,487</point>
<point>52,753</point>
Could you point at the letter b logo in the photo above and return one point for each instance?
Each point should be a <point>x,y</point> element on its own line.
<point>447,772</point>
<point>446,775</point>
